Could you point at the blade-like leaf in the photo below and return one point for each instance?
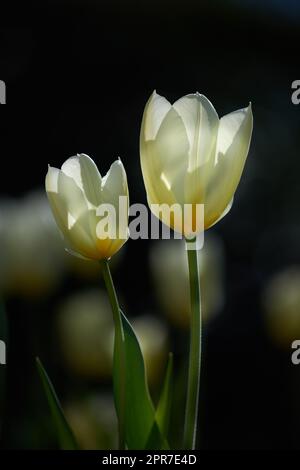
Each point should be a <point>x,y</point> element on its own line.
<point>140,420</point>
<point>64,433</point>
<point>163,410</point>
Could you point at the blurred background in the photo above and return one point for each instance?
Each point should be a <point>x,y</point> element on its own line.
<point>78,76</point>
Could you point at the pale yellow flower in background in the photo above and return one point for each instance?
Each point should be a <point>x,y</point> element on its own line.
<point>93,420</point>
<point>190,156</point>
<point>27,228</point>
<point>170,275</point>
<point>85,334</point>
<point>153,338</point>
<point>281,303</point>
<point>75,193</point>
<point>86,337</point>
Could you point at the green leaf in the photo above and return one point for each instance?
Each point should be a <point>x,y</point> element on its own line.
<point>162,415</point>
<point>140,421</point>
<point>65,435</point>
<point>163,410</point>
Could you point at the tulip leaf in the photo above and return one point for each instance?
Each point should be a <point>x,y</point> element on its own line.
<point>141,427</point>
<point>3,345</point>
<point>162,416</point>
<point>64,433</point>
<point>163,410</point>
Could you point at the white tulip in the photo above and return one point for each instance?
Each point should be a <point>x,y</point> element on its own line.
<point>190,156</point>
<point>79,197</point>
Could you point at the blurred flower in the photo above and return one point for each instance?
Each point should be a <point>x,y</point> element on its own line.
<point>169,268</point>
<point>76,193</point>
<point>153,338</point>
<point>31,259</point>
<point>86,337</point>
<point>85,329</point>
<point>93,421</point>
<point>190,156</point>
<point>281,302</point>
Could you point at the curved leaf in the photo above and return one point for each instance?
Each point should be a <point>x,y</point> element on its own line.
<point>140,421</point>
<point>65,435</point>
<point>163,409</point>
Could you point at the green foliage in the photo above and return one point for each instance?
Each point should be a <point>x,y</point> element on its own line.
<point>141,427</point>
<point>64,433</point>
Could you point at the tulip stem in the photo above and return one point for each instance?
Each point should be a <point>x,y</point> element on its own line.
<point>191,411</point>
<point>120,343</point>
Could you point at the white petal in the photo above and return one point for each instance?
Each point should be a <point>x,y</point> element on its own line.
<point>73,207</point>
<point>71,168</point>
<point>114,186</point>
<point>51,182</point>
<point>235,130</point>
<point>164,160</point>
<point>201,122</point>
<point>114,183</point>
<point>72,195</point>
<point>154,113</point>
<point>86,175</point>
<point>75,253</point>
<point>82,234</point>
<point>56,202</point>
<point>75,225</point>
<point>71,221</point>
<point>225,212</point>
<point>233,143</point>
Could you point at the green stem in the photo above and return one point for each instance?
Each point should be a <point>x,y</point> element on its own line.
<point>120,340</point>
<point>191,411</point>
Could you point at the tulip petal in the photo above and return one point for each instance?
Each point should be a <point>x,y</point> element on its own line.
<point>71,168</point>
<point>225,212</point>
<point>61,190</point>
<point>234,133</point>
<point>155,111</point>
<point>75,253</point>
<point>72,195</point>
<point>82,235</point>
<point>107,248</point>
<point>164,160</point>
<point>201,123</point>
<point>233,143</point>
<point>114,184</point>
<point>114,187</point>
<point>70,205</point>
<point>86,175</point>
<point>58,206</point>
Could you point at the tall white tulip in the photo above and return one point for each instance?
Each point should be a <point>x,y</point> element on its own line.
<point>190,156</point>
<point>77,194</point>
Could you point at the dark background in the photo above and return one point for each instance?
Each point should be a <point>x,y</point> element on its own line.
<point>78,75</point>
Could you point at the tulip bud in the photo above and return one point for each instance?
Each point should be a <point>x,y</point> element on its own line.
<point>190,156</point>
<point>79,199</point>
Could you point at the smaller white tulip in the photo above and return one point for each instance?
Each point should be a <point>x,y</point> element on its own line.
<point>78,197</point>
